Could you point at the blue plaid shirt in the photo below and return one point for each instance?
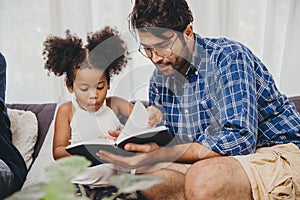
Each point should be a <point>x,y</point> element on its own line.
<point>229,103</point>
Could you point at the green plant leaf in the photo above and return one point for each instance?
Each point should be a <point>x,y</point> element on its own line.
<point>60,190</point>
<point>59,175</point>
<point>66,168</point>
<point>128,183</point>
<point>59,186</point>
<point>33,192</point>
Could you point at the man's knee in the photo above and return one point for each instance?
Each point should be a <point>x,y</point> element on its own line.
<point>212,178</point>
<point>199,179</point>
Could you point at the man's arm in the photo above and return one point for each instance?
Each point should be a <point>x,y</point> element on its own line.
<point>151,153</point>
<point>193,152</point>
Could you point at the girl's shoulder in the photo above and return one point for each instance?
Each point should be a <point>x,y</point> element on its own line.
<point>66,108</point>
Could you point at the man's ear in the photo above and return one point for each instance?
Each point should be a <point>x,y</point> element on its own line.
<point>188,32</point>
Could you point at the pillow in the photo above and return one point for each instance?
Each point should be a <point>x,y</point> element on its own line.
<point>24,128</point>
<point>45,158</point>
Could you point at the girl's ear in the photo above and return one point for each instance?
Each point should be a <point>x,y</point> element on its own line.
<point>70,89</point>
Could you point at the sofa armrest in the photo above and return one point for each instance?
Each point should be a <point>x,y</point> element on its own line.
<point>44,114</point>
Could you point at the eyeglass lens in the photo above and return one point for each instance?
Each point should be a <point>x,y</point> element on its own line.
<point>160,51</point>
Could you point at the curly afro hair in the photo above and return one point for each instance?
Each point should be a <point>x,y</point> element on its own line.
<point>104,50</point>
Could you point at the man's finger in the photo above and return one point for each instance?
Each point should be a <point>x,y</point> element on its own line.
<point>142,148</point>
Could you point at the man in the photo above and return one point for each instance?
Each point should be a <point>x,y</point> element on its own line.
<point>12,166</point>
<point>241,135</point>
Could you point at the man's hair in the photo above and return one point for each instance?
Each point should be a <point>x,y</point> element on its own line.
<point>168,14</point>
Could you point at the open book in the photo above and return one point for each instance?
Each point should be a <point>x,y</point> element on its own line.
<point>136,130</point>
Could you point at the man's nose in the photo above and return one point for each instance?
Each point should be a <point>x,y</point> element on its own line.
<point>156,58</point>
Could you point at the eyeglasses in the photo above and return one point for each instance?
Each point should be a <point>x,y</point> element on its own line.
<point>162,51</point>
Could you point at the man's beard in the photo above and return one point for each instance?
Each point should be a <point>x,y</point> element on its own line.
<point>181,64</point>
<point>177,77</point>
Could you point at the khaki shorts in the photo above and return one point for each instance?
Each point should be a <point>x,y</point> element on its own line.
<point>274,172</point>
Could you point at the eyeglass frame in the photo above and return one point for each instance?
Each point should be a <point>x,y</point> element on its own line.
<point>153,49</point>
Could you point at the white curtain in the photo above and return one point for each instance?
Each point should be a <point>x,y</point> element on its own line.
<point>268,27</point>
<point>290,67</point>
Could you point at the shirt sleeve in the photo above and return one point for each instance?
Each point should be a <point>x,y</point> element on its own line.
<point>233,129</point>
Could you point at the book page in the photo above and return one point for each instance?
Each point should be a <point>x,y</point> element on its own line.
<point>136,123</point>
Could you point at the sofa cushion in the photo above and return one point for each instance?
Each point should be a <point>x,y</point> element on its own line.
<point>44,114</point>
<point>37,172</point>
<point>24,130</point>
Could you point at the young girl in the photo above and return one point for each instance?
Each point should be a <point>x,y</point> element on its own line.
<point>87,70</point>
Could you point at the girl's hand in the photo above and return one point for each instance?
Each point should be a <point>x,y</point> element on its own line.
<point>155,116</point>
<point>114,134</point>
<point>106,137</point>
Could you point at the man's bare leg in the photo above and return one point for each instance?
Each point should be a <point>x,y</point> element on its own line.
<point>217,178</point>
<point>172,187</point>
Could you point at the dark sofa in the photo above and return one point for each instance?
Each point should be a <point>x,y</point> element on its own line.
<point>45,113</point>
<point>296,100</point>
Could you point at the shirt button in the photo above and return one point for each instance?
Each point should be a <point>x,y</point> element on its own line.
<point>186,111</point>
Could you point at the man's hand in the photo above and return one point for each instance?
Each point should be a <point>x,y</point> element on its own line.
<point>147,154</point>
<point>155,116</point>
